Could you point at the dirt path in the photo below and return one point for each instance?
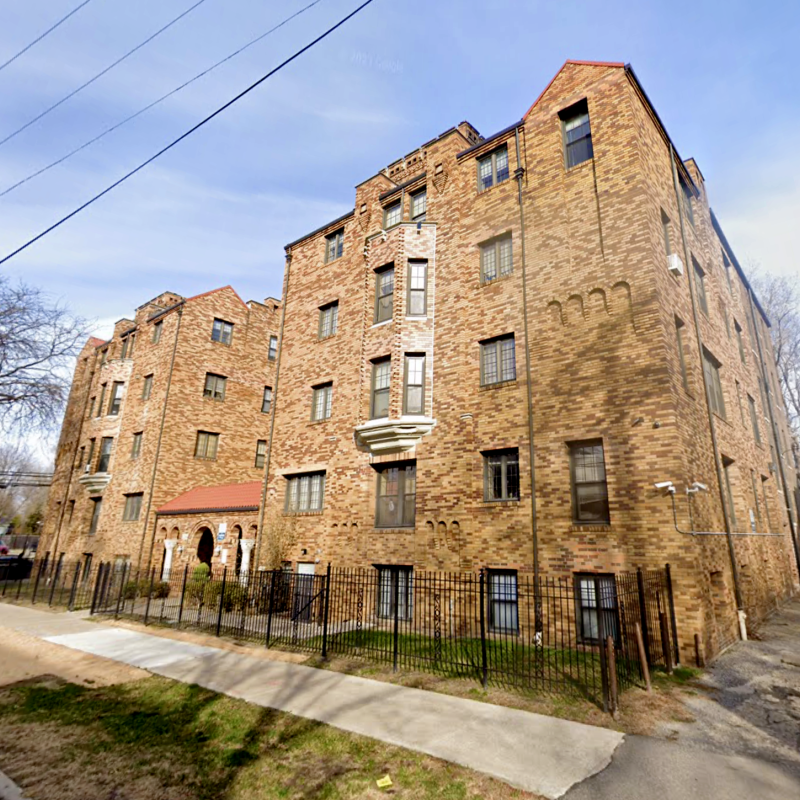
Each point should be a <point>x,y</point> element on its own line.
<point>748,702</point>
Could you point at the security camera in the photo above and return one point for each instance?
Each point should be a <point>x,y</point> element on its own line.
<point>664,485</point>
<point>699,487</point>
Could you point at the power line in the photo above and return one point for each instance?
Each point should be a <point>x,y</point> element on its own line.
<point>39,38</point>
<point>101,73</point>
<point>156,102</point>
<point>186,134</point>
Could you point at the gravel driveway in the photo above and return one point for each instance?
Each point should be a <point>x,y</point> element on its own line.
<point>748,702</point>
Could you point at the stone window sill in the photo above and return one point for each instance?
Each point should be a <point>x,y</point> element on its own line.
<point>499,385</point>
<point>591,527</point>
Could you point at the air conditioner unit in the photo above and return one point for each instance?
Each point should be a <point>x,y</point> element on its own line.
<point>675,264</point>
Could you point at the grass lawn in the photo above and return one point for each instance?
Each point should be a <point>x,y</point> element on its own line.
<point>155,739</point>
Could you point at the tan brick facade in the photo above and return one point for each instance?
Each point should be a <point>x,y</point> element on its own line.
<point>594,325</point>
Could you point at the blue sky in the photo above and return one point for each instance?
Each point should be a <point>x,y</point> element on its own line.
<point>219,209</point>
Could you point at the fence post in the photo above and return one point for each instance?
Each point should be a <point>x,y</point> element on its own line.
<point>74,588</point>
<point>121,596</point>
<point>183,594</point>
<point>93,607</point>
<point>612,674</point>
<point>665,648</point>
<point>672,618</point>
<point>42,565</point>
<point>484,660</point>
<point>269,608</point>
<point>601,630</point>
<point>221,599</point>
<point>325,611</point>
<point>149,594</point>
<point>396,634</point>
<point>642,657</point>
<point>643,614</point>
<point>55,582</point>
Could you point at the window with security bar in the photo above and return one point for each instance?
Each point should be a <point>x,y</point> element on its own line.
<point>589,486</point>
<point>397,495</point>
<point>503,601</point>
<point>501,475</point>
<point>498,360</point>
<point>304,493</point>
<point>597,607</point>
<point>395,592</point>
<point>496,259</point>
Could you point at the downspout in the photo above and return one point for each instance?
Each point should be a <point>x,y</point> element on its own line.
<point>72,462</point>
<point>519,174</point>
<point>786,495</point>
<point>262,510</point>
<point>158,451</point>
<point>712,427</point>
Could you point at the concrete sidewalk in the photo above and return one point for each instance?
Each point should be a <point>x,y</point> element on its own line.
<point>540,754</point>
<point>547,756</point>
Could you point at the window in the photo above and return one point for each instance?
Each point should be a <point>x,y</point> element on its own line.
<point>711,369</point>
<point>272,354</point>
<point>755,497</point>
<point>414,393</point>
<point>419,205</point>
<point>666,225</point>
<point>133,507</point>
<point>397,496</point>
<point>321,402</point>
<point>305,492</point>
<point>681,355</point>
<point>754,419</point>
<point>92,402</point>
<point>266,401</point>
<point>766,502</point>
<point>222,331</point>
<point>157,327</point>
<point>392,214</point>
<point>79,459</point>
<point>498,362</point>
<point>106,445</point>
<point>496,261</point>
<point>90,454</point>
<point>597,607</point>
<point>395,589</point>
<point>727,463</point>
<point>384,294</point>
<point>215,386</point>
<point>687,201</point>
<point>261,454</point>
<point>501,475</point>
<point>740,341</point>
<point>417,304</point>
<point>503,609</point>
<point>577,134</point>
<point>71,511</point>
<point>334,245</point>
<point>116,398</point>
<point>206,445</point>
<point>381,376</point>
<point>328,320</point>
<point>147,386</point>
<point>700,287</point>
<point>102,400</point>
<point>136,445</point>
<point>493,168</point>
<point>589,487</point>
<point>726,319</point>
<point>103,356</point>
<point>96,508</point>
<point>127,346</point>
<point>727,264</point>
<point>739,400</point>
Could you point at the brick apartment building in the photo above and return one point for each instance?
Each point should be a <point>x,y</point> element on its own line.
<point>490,362</point>
<point>180,395</point>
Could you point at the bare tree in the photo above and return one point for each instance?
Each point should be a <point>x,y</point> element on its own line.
<point>279,536</point>
<point>18,503</point>
<point>780,297</point>
<point>39,339</point>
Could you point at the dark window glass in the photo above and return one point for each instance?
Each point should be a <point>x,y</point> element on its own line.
<point>501,475</point>
<point>157,332</point>
<point>589,487</point>
<point>740,341</point>
<point>117,391</point>
<point>727,464</point>
<point>266,401</point>
<point>700,286</point>
<point>147,387</point>
<point>688,195</point>
<point>577,134</point>
<point>305,492</point>
<point>395,592</point>
<point>106,444</point>
<point>503,601</point>
<point>222,331</point>
<point>397,493</point>
<point>136,445</point>
<point>754,419</point>
<point>273,348</point>
<point>96,509</point>
<point>498,360</point>
<point>597,607</point>
<point>711,369</point>
<point>133,507</point>
<point>681,355</point>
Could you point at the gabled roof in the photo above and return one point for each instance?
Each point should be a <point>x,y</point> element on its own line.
<point>569,61</point>
<point>95,342</point>
<point>227,497</point>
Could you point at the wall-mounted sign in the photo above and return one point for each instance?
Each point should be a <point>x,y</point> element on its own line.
<point>221,536</point>
<point>223,528</point>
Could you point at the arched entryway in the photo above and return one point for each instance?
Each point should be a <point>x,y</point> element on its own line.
<point>205,547</point>
<point>237,537</point>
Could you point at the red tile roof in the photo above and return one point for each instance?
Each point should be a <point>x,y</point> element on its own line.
<point>229,497</point>
<point>95,342</point>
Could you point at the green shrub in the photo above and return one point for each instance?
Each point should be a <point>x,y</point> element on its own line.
<point>161,590</point>
<point>235,596</point>
<point>202,572</point>
<point>141,588</point>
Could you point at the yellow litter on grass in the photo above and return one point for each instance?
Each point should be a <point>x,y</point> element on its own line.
<point>384,783</point>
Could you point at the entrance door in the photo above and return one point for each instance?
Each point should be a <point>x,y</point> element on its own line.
<point>205,547</point>
<point>303,591</point>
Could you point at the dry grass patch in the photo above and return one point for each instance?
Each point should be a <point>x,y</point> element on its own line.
<point>160,740</point>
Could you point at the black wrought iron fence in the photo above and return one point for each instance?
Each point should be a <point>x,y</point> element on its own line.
<point>503,628</point>
<point>54,583</point>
